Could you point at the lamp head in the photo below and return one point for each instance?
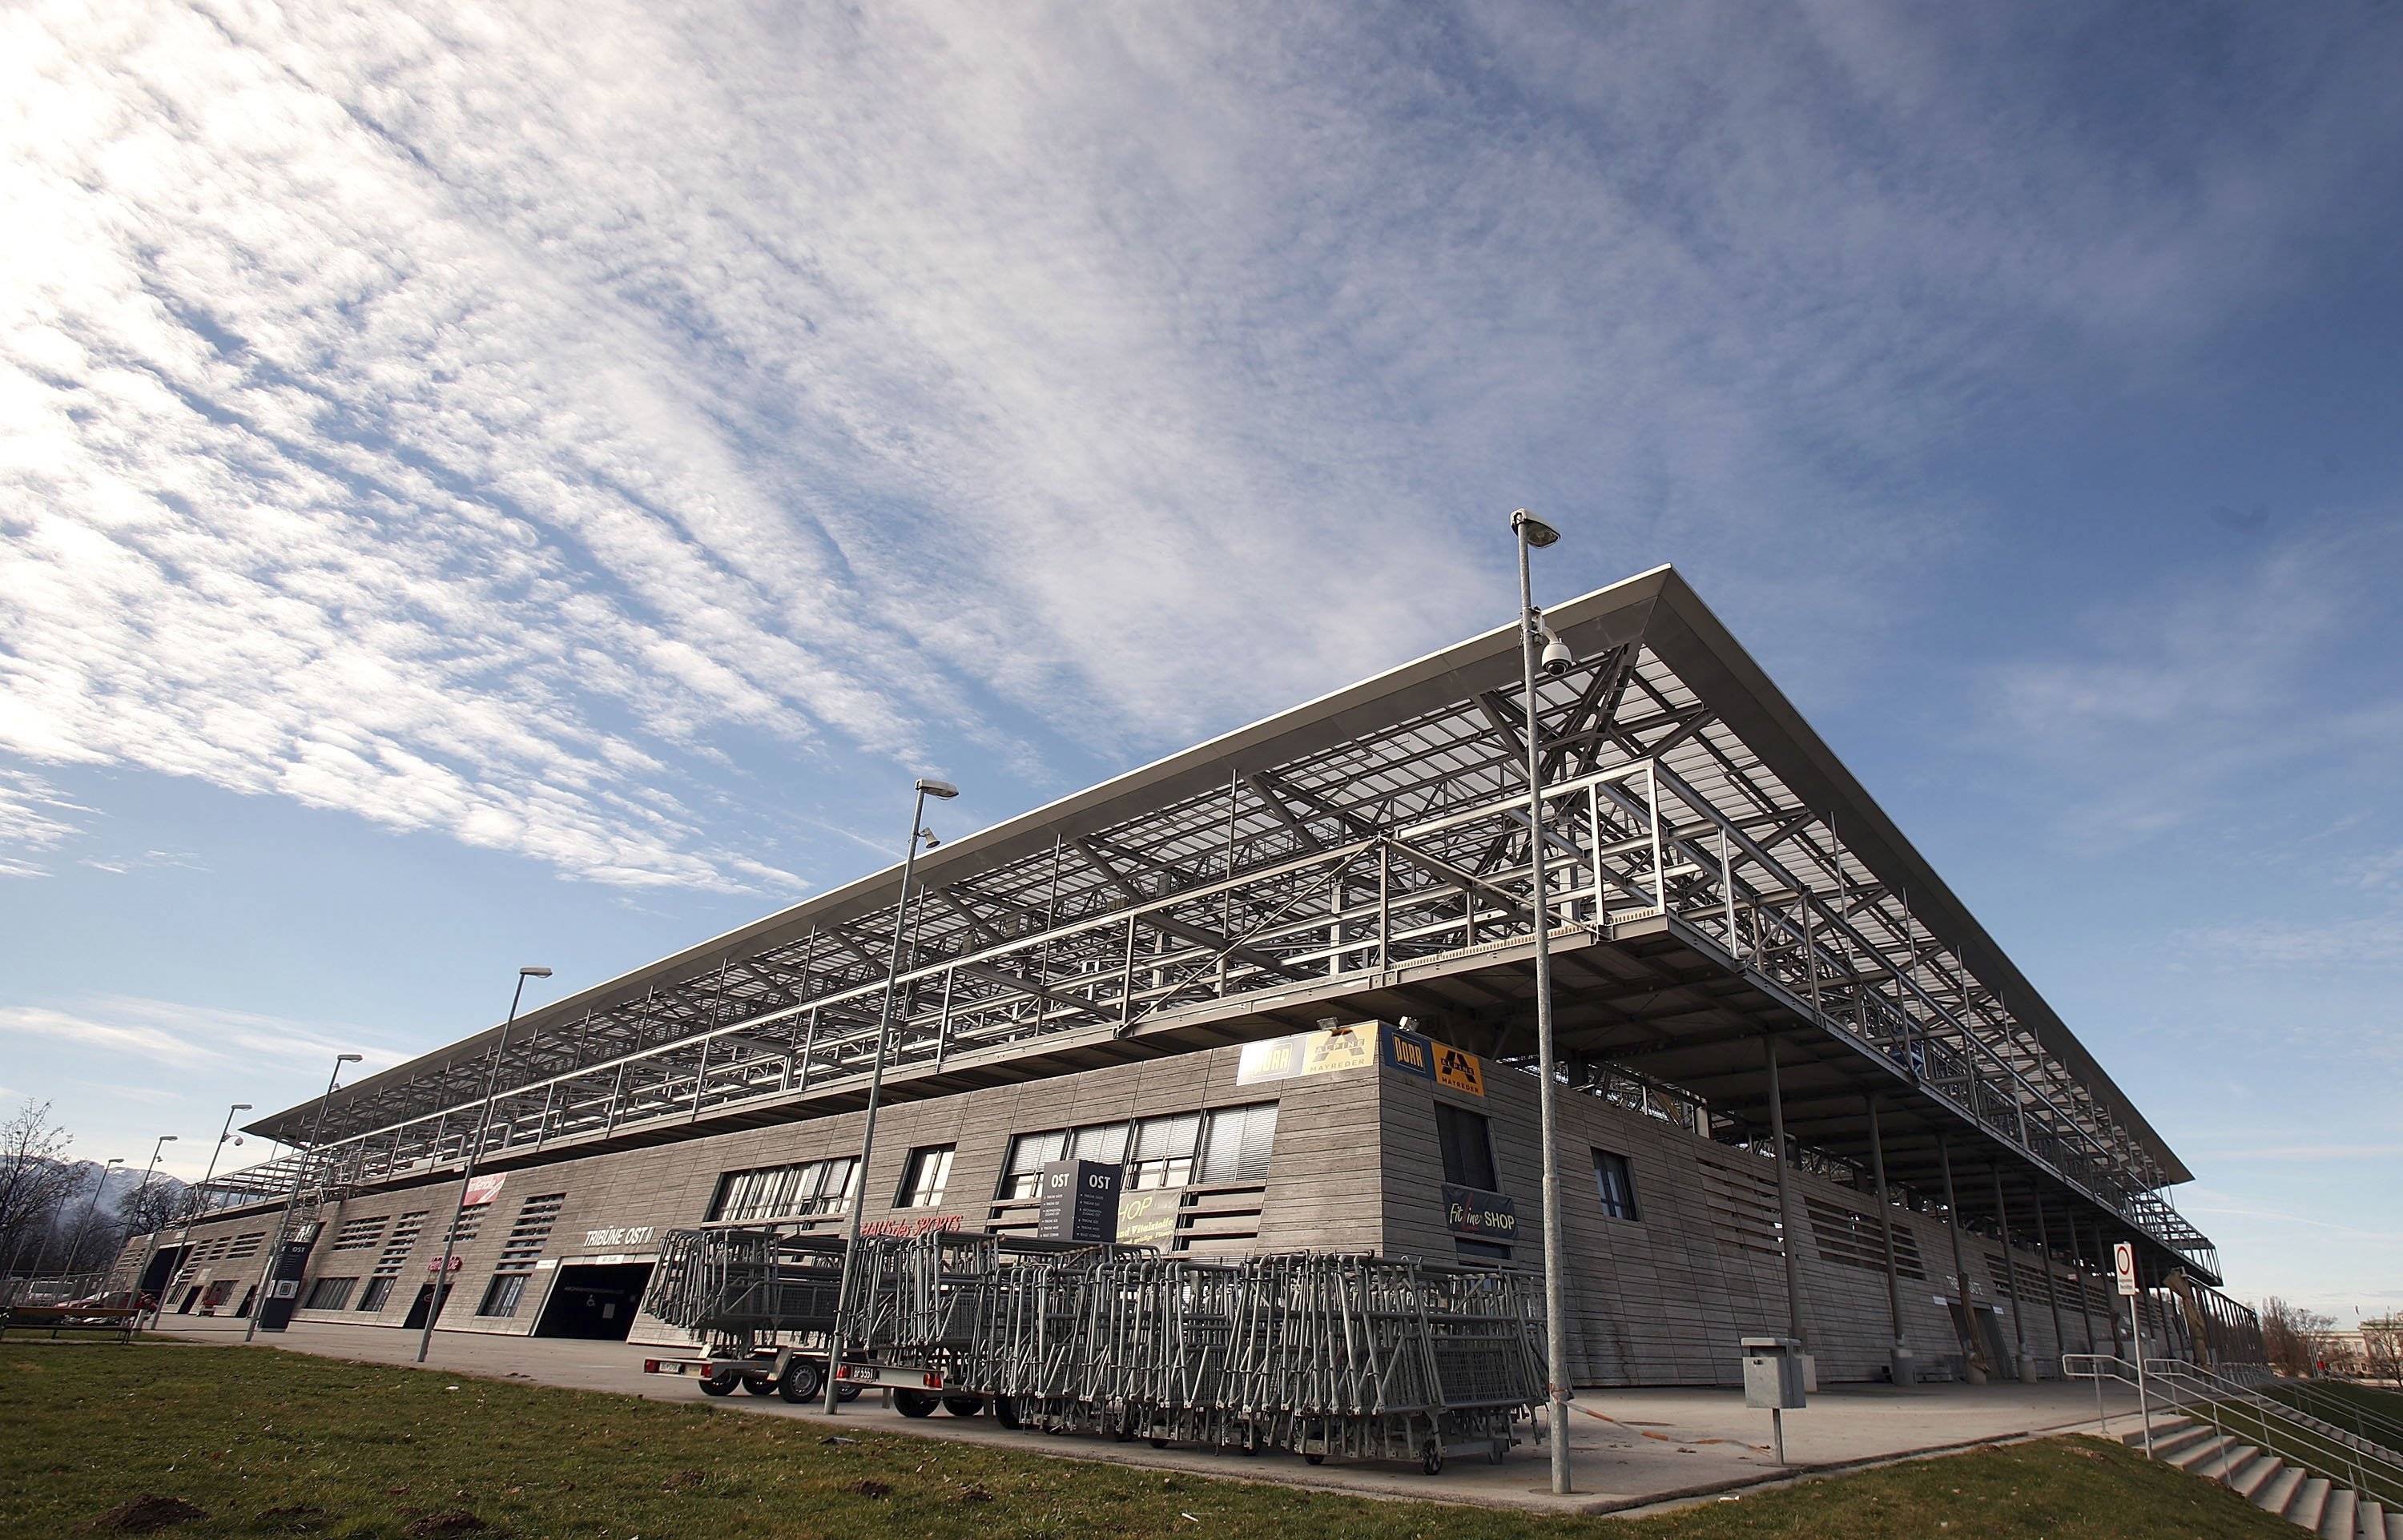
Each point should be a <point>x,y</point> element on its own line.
<point>166,1139</point>
<point>347,1059</point>
<point>1538,534</point>
<point>534,973</point>
<point>943,789</point>
<point>240,1106</point>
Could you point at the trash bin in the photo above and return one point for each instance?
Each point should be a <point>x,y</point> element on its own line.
<point>1773,1378</point>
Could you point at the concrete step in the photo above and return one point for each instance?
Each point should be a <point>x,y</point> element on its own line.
<point>2337,1519</point>
<point>2276,1492</point>
<point>2309,1501</point>
<point>2395,1525</point>
<point>2190,1454</point>
<point>2370,1520</point>
<point>2179,1447</point>
<point>2249,1477</point>
<point>2163,1427</point>
<point>2229,1458</point>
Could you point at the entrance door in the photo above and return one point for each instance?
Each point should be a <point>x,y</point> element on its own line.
<point>594,1302</point>
<point>423,1302</point>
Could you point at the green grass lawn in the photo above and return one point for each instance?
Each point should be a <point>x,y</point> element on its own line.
<point>270,1442</point>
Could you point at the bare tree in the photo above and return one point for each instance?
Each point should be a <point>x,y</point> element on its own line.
<point>2294,1338</point>
<point>35,1178</point>
<point>154,1205</point>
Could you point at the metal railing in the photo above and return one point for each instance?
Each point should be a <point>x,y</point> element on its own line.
<point>2239,1410</point>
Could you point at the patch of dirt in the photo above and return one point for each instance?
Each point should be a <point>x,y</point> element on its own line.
<point>684,1478</point>
<point>974,1494</point>
<point>146,1515</point>
<point>456,1521</point>
<point>872,1486</point>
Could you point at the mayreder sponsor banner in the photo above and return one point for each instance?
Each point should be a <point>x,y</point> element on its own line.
<point>1322,1052</point>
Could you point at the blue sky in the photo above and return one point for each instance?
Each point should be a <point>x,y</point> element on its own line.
<point>532,485</point>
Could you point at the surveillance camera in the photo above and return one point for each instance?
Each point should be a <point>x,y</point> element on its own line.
<point>1558,659</point>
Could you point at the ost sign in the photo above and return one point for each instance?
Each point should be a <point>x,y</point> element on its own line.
<point>1487,1215</point>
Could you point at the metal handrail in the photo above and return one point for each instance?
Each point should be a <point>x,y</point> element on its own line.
<point>2320,1448</point>
<point>2217,1383</point>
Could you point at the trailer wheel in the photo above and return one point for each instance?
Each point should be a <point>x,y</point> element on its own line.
<point>801,1382</point>
<point>963,1405</point>
<point>759,1387</point>
<point>912,1403</point>
<point>719,1383</point>
<point>1431,1458</point>
<point>1005,1411</point>
<point>846,1392</point>
<point>1159,1443</point>
<point>1315,1458</point>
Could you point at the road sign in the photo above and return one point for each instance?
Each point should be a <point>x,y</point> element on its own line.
<point>2123,1263</point>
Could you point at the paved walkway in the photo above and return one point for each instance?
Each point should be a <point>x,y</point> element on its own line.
<point>1629,1448</point>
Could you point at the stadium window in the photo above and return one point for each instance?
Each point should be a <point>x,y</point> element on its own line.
<point>787,1192</point>
<point>925,1177</point>
<point>1467,1148</point>
<point>379,1290</point>
<point>1236,1142</point>
<point>330,1294</point>
<point>1029,1153</point>
<point>1615,1179</point>
<point>501,1296</point>
<point>1163,1150</point>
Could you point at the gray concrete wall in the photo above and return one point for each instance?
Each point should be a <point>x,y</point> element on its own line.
<point>1658,1300</point>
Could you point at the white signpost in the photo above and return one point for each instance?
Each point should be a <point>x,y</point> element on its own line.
<point>2123,1265</point>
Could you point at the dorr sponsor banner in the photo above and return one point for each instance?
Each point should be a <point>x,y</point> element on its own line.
<point>1277,1058</point>
<point>1488,1215</point>
<point>1410,1053</point>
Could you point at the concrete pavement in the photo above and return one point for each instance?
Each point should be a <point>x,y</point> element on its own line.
<point>1630,1448</point>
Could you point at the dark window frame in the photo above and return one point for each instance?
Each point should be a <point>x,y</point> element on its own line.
<point>913,1193</point>
<point>503,1295</point>
<point>1610,1169</point>
<point>1465,1141</point>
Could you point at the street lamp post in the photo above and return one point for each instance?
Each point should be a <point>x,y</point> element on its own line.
<point>152,1249</point>
<point>292,1200</point>
<point>918,832</point>
<point>75,1246</point>
<point>467,1174</point>
<point>1532,533</point>
<point>192,1200</point>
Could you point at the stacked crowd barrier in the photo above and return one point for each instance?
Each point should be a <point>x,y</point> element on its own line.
<point>1346,1354</point>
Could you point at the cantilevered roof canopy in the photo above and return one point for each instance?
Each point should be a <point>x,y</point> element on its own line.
<point>1717,876</point>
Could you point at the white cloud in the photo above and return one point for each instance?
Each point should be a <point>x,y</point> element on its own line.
<point>167,1038</point>
<point>31,824</point>
<point>519,424</point>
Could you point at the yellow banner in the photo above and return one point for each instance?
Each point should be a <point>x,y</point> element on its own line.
<point>1342,1049</point>
<point>1148,1218</point>
<point>1458,1070</point>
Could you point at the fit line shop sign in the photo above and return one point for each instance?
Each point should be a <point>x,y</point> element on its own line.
<point>621,1235</point>
<point>1491,1216</point>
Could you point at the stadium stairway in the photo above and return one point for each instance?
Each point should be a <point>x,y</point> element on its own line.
<point>2330,1511</point>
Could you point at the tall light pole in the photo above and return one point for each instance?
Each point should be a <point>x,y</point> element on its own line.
<point>467,1174</point>
<point>152,1249</point>
<point>192,1200</point>
<point>292,1199</point>
<point>1532,533</point>
<point>918,831</point>
<point>75,1246</point>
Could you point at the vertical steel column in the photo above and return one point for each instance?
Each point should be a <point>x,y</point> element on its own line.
<point>1966,1328</point>
<point>1785,1193</point>
<point>943,1026</point>
<point>2011,1270</point>
<point>1727,888</point>
<point>1385,906</point>
<point>809,1048</point>
<point>2085,1283</point>
<point>1652,796</point>
<point>2051,1284</point>
<point>1898,1359</point>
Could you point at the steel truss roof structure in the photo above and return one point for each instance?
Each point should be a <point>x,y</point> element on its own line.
<point>1718,880</point>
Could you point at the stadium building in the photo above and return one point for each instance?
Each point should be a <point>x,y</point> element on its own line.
<point>1283,981</point>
